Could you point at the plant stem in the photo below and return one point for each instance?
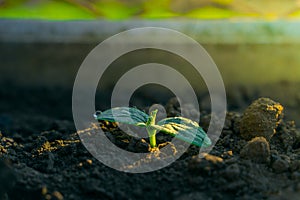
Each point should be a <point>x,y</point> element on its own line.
<point>151,131</point>
<point>152,137</point>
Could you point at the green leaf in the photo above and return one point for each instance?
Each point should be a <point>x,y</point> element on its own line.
<point>124,115</point>
<point>184,129</point>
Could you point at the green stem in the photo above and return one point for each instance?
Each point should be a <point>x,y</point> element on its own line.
<point>151,131</point>
<point>152,137</point>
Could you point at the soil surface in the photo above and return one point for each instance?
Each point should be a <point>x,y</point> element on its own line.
<point>41,155</point>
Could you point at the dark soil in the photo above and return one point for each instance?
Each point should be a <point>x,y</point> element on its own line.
<point>42,156</point>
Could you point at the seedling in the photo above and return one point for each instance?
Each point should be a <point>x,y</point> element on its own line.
<point>179,127</point>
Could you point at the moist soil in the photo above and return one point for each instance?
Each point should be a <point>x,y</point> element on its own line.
<point>42,157</point>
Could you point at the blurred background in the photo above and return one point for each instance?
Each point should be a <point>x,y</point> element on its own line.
<point>149,9</point>
<point>255,44</point>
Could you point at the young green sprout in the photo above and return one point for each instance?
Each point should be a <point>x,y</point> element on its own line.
<point>179,127</point>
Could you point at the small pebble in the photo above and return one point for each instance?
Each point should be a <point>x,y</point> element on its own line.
<point>48,197</point>
<point>257,150</point>
<point>44,190</point>
<point>57,195</point>
<point>89,161</point>
<point>212,158</point>
<point>227,154</point>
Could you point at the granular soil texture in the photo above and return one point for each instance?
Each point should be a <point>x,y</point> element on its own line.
<point>256,157</point>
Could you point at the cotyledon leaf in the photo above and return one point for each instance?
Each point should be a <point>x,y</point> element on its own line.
<point>184,129</point>
<point>124,115</point>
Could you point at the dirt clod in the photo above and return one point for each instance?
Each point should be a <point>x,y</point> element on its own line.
<point>57,195</point>
<point>280,165</point>
<point>257,150</point>
<point>212,158</point>
<point>204,165</point>
<point>261,118</point>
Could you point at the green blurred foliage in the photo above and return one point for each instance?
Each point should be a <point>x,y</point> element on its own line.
<point>43,10</point>
<point>157,9</point>
<point>149,9</point>
<point>116,9</point>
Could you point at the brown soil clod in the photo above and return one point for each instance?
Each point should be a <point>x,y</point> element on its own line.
<point>204,164</point>
<point>261,118</point>
<point>257,150</point>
